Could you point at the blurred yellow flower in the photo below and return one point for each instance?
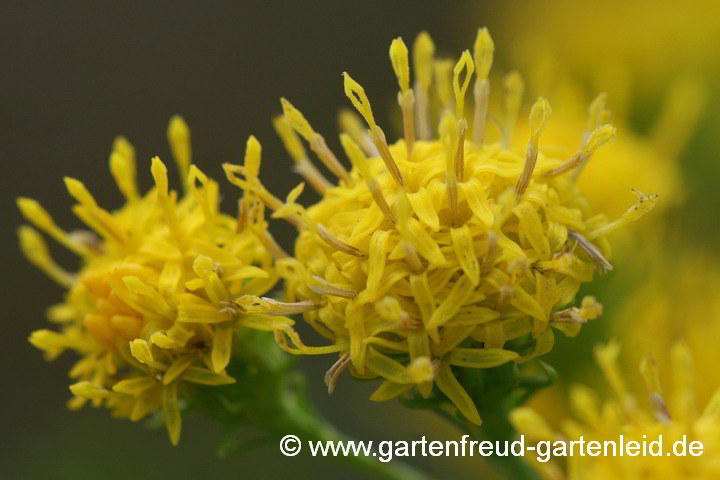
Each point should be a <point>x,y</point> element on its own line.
<point>596,420</point>
<point>438,253</point>
<point>677,302</point>
<point>653,61</point>
<point>607,39</point>
<point>150,312</point>
<point>645,162</point>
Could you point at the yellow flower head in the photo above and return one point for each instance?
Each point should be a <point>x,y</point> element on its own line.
<point>150,311</point>
<point>636,420</point>
<point>434,253</point>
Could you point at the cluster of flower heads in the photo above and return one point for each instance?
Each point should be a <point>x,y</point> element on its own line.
<point>623,418</point>
<point>433,253</point>
<point>150,312</point>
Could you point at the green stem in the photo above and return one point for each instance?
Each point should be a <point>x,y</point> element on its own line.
<point>309,426</point>
<point>496,427</point>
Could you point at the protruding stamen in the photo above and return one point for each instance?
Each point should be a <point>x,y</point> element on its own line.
<point>327,288</point>
<point>599,137</point>
<point>450,140</point>
<point>37,252</point>
<point>316,141</point>
<point>253,157</point>
<point>356,93</point>
<point>159,173</point>
<point>251,185</point>
<point>598,115</point>
<point>295,148</point>
<point>254,304</point>
<point>268,241</point>
<point>423,52</point>
<point>465,63</point>
<point>378,137</point>
<point>406,101</point>
<point>333,241</point>
<point>123,146</point>
<point>333,374</point>
<point>294,212</point>
<point>644,204</point>
<point>98,219</point>
<point>178,135</point>
<point>514,87</point>
<point>38,216</point>
<point>351,123</point>
<point>400,64</point>
<point>357,96</point>
<point>123,171</point>
<point>359,161</point>
<point>595,256</point>
<point>319,146</point>
<point>539,115</point>
<point>460,152</point>
<point>484,49</point>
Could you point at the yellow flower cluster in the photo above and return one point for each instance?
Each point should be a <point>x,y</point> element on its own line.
<point>150,311</point>
<point>434,253</point>
<point>605,421</point>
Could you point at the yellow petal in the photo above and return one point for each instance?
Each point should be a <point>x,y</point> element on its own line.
<point>221,348</point>
<point>448,384</point>
<point>376,262</point>
<point>141,351</point>
<point>480,357</point>
<point>135,385</point>
<point>88,390</point>
<point>177,368</point>
<point>173,421</point>
<point>389,390</point>
<point>386,367</point>
<point>203,376</point>
<point>465,252</point>
<point>452,303</point>
<point>422,205</point>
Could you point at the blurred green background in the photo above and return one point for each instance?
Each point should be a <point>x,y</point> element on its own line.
<point>75,75</point>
